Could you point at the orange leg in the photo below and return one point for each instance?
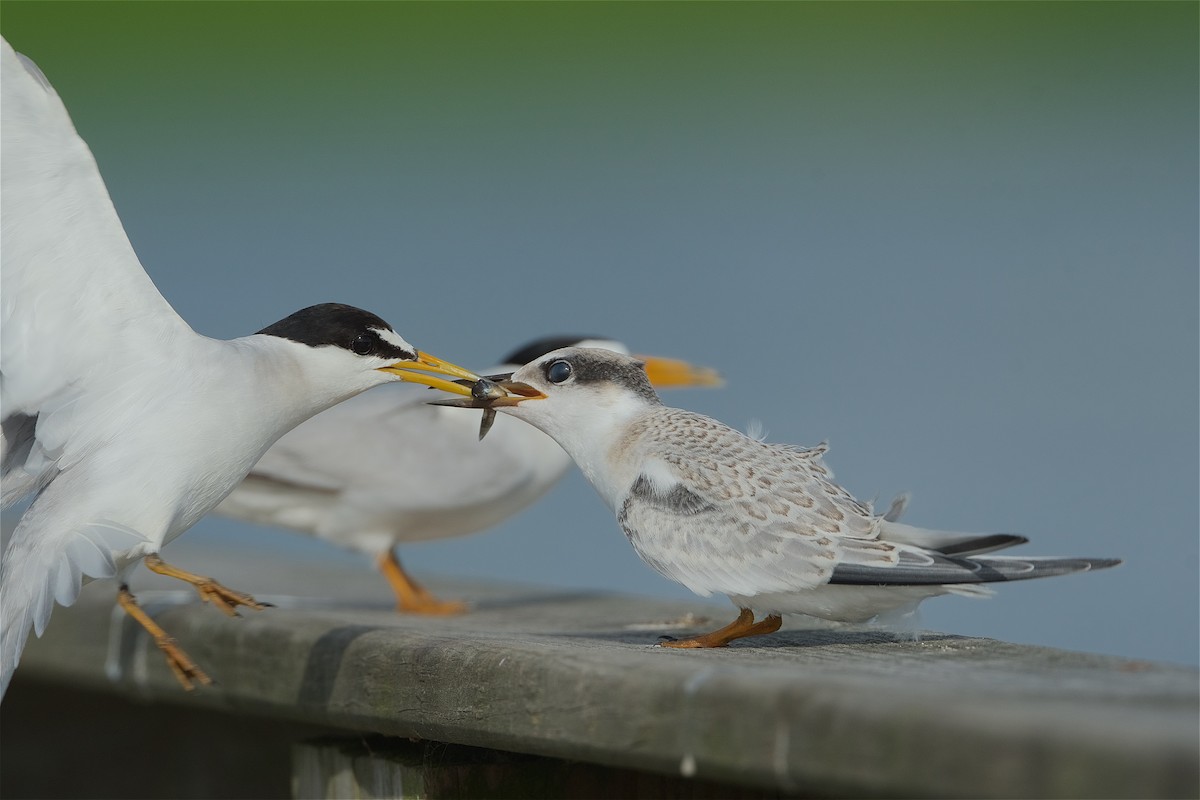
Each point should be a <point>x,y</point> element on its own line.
<point>183,667</point>
<point>741,627</point>
<point>210,591</point>
<point>411,597</point>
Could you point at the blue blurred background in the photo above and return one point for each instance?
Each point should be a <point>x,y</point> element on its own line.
<point>957,240</point>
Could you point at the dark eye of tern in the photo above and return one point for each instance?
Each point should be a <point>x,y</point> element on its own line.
<point>558,372</point>
<point>362,344</point>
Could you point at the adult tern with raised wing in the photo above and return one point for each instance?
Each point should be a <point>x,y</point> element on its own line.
<point>125,424</point>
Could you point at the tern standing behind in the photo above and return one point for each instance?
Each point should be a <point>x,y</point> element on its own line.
<point>721,512</point>
<point>127,425</point>
<point>341,477</point>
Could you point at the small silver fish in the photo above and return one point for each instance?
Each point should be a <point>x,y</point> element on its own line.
<point>486,389</point>
<point>485,422</point>
<point>483,390</point>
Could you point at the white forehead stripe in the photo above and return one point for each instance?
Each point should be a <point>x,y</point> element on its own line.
<point>393,338</point>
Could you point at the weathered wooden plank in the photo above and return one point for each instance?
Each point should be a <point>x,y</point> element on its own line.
<point>573,676</point>
<point>367,767</point>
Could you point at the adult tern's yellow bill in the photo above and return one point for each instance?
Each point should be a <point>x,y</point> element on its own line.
<point>128,425</point>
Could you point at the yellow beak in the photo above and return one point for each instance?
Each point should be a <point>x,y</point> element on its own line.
<point>670,373</point>
<point>412,372</point>
<point>664,373</point>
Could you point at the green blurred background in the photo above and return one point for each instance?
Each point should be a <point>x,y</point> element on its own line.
<point>958,240</point>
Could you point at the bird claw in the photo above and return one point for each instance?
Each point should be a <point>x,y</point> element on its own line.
<point>226,599</point>
<point>182,667</point>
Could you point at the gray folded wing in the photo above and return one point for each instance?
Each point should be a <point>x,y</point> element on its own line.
<point>923,568</point>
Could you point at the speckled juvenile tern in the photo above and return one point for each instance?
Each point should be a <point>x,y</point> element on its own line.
<point>340,476</point>
<point>127,425</point>
<point>721,512</point>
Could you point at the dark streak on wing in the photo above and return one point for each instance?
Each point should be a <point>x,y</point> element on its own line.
<point>20,436</point>
<point>678,500</point>
<point>18,433</point>
<point>983,544</point>
<point>913,570</point>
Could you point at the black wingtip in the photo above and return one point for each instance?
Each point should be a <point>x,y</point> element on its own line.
<point>951,570</point>
<point>984,544</point>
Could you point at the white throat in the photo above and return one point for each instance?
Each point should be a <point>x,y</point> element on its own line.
<point>591,426</point>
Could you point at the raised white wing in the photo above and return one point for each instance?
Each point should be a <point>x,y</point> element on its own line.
<point>76,303</point>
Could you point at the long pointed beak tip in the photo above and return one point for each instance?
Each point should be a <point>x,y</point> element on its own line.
<point>522,390</point>
<point>431,363</point>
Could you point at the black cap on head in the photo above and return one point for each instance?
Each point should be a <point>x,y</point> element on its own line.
<point>532,351</point>
<point>339,325</point>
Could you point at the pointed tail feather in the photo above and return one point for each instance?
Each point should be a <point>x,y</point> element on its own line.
<point>896,509</point>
